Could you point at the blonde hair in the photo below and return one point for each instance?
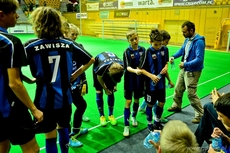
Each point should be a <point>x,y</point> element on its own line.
<point>65,28</point>
<point>176,137</point>
<point>115,68</point>
<point>116,71</point>
<point>130,33</point>
<point>46,23</point>
<point>75,28</point>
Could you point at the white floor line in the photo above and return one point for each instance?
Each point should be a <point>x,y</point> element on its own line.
<point>214,78</point>
<point>42,148</point>
<point>166,98</point>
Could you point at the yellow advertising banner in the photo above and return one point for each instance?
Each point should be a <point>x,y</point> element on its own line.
<point>131,4</point>
<point>92,6</point>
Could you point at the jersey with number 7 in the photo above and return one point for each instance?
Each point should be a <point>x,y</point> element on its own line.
<point>51,64</point>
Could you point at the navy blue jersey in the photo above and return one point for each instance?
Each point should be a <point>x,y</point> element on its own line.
<point>131,58</point>
<point>51,62</point>
<point>103,62</point>
<point>78,83</point>
<point>154,61</point>
<point>12,55</point>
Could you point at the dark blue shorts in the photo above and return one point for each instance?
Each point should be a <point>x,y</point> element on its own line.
<point>151,97</point>
<point>18,128</point>
<point>61,117</point>
<point>137,94</point>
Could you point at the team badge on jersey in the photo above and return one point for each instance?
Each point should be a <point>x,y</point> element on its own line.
<point>154,56</point>
<point>162,53</point>
<point>140,53</point>
<point>132,56</point>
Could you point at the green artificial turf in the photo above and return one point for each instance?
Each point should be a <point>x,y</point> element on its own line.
<point>215,74</point>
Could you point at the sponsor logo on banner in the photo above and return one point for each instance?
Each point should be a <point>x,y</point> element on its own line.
<point>18,29</point>
<point>92,0</point>
<point>192,2</point>
<point>108,5</point>
<point>130,4</point>
<point>164,3</point>
<point>104,14</point>
<point>92,6</point>
<point>121,13</point>
<point>145,3</point>
<point>123,4</point>
<point>81,15</point>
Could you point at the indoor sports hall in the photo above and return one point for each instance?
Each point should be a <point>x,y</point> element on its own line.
<point>104,24</point>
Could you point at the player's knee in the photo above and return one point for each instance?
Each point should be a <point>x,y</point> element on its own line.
<point>5,146</point>
<point>128,102</point>
<point>30,147</point>
<point>52,134</point>
<point>161,104</point>
<point>208,106</point>
<point>36,149</point>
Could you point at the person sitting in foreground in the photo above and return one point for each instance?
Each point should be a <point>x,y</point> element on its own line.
<point>176,137</point>
<point>209,121</point>
<point>222,107</point>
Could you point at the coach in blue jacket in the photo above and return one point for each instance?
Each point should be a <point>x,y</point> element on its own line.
<point>191,65</point>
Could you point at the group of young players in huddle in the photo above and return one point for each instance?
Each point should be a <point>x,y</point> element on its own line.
<point>58,65</point>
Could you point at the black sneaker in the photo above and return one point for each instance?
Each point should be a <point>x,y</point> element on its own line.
<point>150,127</point>
<point>157,126</point>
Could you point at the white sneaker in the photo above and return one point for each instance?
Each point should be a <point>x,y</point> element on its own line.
<point>126,131</point>
<point>134,121</point>
<point>85,119</point>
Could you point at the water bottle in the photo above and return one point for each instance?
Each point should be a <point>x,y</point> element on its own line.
<point>173,67</point>
<point>217,144</point>
<point>168,86</point>
<point>155,136</point>
<point>153,83</point>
